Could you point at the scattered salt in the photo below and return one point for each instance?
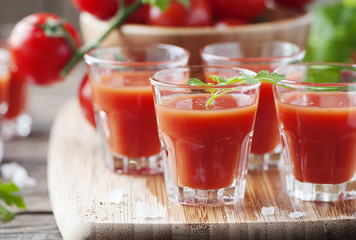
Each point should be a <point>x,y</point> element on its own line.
<point>144,211</point>
<point>266,211</point>
<point>116,195</point>
<point>296,214</point>
<point>17,174</point>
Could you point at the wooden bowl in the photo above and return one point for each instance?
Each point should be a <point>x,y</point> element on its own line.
<point>279,25</point>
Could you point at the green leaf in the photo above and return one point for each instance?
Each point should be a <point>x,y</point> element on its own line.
<point>6,214</point>
<point>262,76</point>
<point>162,4</point>
<point>7,195</point>
<point>197,82</point>
<point>248,78</point>
<point>332,35</point>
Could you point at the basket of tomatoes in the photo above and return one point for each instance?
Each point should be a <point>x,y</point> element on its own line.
<point>198,23</point>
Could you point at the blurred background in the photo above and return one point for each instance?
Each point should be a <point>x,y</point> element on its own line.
<point>12,11</point>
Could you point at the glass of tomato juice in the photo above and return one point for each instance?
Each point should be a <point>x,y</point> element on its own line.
<point>16,122</point>
<point>317,121</point>
<point>266,149</point>
<point>4,83</point>
<point>123,102</point>
<point>205,148</point>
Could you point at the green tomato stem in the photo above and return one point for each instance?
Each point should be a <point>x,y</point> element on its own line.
<point>117,20</point>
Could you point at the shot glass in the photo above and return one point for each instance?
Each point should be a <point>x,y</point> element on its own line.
<point>123,103</point>
<point>16,122</point>
<point>317,121</point>
<point>4,83</point>
<point>266,148</point>
<point>205,148</point>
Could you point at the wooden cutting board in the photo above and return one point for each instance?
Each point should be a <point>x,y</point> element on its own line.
<point>79,185</point>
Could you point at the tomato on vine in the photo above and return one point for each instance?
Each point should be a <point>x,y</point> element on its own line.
<point>174,15</point>
<point>106,9</point>
<point>41,46</point>
<point>199,13</point>
<point>246,10</point>
<point>103,9</point>
<point>229,22</point>
<point>297,4</point>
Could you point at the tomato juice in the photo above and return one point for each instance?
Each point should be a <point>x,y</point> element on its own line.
<point>17,95</point>
<point>4,85</point>
<point>319,133</point>
<point>129,113</point>
<point>206,147</point>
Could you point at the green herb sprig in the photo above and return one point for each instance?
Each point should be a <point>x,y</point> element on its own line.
<point>262,76</point>
<point>7,195</point>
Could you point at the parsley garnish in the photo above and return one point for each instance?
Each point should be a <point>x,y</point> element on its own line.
<point>263,76</point>
<point>9,198</point>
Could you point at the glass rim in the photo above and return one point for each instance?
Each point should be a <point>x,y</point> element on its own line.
<point>213,57</point>
<point>294,83</point>
<point>155,82</point>
<point>92,60</point>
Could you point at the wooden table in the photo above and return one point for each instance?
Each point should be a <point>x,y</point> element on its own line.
<point>37,221</point>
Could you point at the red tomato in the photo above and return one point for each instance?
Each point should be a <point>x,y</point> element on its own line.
<point>200,13</point>
<point>85,100</point>
<point>103,9</point>
<point>140,15</point>
<point>228,22</point>
<point>299,4</point>
<point>106,9</point>
<point>39,57</point>
<point>243,9</point>
<point>175,15</point>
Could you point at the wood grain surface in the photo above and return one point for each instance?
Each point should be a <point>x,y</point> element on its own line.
<point>79,184</point>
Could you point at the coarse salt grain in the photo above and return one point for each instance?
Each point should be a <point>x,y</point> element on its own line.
<point>17,174</point>
<point>267,211</point>
<point>144,211</point>
<point>297,214</point>
<point>116,195</point>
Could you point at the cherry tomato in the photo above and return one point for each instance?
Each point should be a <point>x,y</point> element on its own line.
<point>243,9</point>
<point>106,9</point>
<point>85,100</point>
<point>140,15</point>
<point>175,15</point>
<point>39,55</point>
<point>200,13</point>
<point>228,22</point>
<point>103,9</point>
<point>298,4</point>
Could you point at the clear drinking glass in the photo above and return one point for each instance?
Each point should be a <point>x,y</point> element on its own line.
<point>4,83</point>
<point>16,122</point>
<point>266,148</point>
<point>205,148</point>
<point>317,121</point>
<point>123,102</point>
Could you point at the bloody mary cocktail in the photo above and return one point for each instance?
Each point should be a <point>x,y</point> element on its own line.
<point>321,136</point>
<point>129,114</point>
<point>17,95</point>
<point>123,103</point>
<point>318,126</point>
<point>265,148</point>
<point>17,123</point>
<point>205,148</point>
